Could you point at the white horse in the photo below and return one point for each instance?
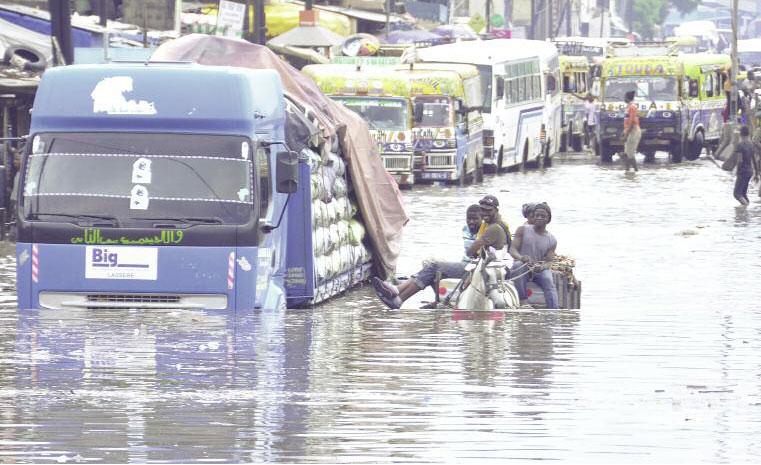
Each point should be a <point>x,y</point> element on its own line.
<point>485,287</point>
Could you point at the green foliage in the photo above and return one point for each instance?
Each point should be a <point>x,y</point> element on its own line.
<point>649,13</point>
<point>685,6</point>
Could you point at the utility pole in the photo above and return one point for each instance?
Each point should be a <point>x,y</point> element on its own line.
<point>733,69</point>
<point>60,22</point>
<point>531,28</point>
<point>260,28</point>
<point>488,16</point>
<point>388,16</point>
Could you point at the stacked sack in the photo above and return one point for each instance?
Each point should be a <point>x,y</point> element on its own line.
<point>337,233</point>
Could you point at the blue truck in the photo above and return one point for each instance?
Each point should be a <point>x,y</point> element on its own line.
<point>170,186</point>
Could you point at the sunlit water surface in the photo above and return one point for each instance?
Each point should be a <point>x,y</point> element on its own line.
<point>661,364</point>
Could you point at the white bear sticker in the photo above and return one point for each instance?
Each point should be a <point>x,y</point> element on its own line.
<point>108,97</point>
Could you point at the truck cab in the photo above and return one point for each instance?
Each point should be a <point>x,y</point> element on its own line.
<point>158,185</point>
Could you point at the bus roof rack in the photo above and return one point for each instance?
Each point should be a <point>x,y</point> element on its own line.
<point>643,49</point>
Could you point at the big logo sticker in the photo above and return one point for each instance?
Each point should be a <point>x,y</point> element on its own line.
<point>121,263</point>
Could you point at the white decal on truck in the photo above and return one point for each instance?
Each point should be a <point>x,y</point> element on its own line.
<point>109,262</point>
<point>138,198</point>
<point>108,97</point>
<point>141,171</point>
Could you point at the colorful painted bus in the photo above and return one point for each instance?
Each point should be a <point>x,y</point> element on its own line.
<point>426,121</point>
<point>680,97</point>
<point>521,94</point>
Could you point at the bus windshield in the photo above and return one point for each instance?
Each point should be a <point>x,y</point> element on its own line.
<point>433,111</point>
<point>386,114</point>
<point>136,177</point>
<point>648,88</point>
<point>485,73</point>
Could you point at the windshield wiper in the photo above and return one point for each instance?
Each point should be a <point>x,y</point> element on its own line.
<point>183,220</point>
<point>110,219</point>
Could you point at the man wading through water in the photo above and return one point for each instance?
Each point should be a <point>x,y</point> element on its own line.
<point>747,166</point>
<point>491,232</point>
<point>632,131</point>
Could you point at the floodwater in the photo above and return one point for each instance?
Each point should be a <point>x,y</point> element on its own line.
<point>661,365</point>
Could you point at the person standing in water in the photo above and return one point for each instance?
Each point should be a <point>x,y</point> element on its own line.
<point>632,132</point>
<point>747,166</point>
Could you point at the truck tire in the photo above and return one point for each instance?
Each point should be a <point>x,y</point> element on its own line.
<point>649,156</point>
<point>546,156</point>
<point>463,181</point>
<point>695,147</point>
<point>676,152</point>
<point>577,142</point>
<point>606,153</point>
<point>564,141</point>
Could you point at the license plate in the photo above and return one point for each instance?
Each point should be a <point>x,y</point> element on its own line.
<point>435,175</point>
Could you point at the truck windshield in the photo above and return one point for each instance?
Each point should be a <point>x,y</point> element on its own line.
<point>433,111</point>
<point>649,88</point>
<point>380,113</point>
<point>134,178</point>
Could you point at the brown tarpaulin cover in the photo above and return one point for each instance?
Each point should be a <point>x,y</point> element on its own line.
<point>378,196</point>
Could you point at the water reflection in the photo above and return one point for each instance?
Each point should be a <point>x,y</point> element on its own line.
<point>660,365</point>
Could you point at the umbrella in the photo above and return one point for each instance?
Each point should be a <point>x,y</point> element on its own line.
<point>307,36</point>
<point>456,31</point>
<point>410,37</point>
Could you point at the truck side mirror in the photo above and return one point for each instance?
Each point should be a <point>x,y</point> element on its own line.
<point>693,87</point>
<point>287,172</point>
<point>417,112</point>
<point>459,108</point>
<point>3,189</point>
<point>500,87</point>
<point>551,83</point>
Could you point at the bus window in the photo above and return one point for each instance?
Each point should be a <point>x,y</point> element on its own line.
<point>708,86</point>
<point>717,83</point>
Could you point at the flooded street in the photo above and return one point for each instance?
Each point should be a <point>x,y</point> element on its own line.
<point>662,364</point>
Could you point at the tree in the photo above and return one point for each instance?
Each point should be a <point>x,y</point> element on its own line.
<point>649,13</point>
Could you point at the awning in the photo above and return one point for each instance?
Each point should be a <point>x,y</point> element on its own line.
<point>307,36</point>
<point>359,14</point>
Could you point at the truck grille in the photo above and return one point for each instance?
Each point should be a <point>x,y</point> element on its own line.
<point>440,161</point>
<point>133,298</point>
<point>397,163</point>
<point>93,300</point>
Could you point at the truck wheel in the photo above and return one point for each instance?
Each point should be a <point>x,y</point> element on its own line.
<point>577,142</point>
<point>695,147</point>
<point>606,153</point>
<point>524,162</point>
<point>478,176</point>
<point>499,162</point>
<point>564,141</point>
<point>676,152</point>
<point>464,174</point>
<point>546,158</point>
<point>649,156</point>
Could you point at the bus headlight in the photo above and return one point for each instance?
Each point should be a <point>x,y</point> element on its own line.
<point>667,114</point>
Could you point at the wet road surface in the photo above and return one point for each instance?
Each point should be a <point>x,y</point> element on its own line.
<point>661,364</point>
